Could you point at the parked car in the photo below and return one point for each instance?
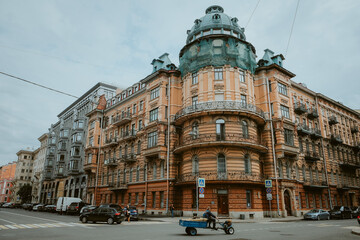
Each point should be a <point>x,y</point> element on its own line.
<point>355,211</point>
<point>17,205</point>
<point>2,203</point>
<point>32,205</point>
<point>63,203</point>
<point>50,208</point>
<point>134,215</point>
<point>87,208</point>
<point>117,207</point>
<point>317,214</point>
<point>340,212</point>
<point>9,205</point>
<point>26,206</point>
<point>75,207</point>
<point>38,207</point>
<point>102,214</point>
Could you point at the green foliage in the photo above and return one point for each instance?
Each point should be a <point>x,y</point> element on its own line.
<point>25,193</point>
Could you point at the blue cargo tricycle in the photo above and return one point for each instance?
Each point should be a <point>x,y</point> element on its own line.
<point>192,224</point>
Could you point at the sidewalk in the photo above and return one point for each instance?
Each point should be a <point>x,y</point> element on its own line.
<point>176,219</point>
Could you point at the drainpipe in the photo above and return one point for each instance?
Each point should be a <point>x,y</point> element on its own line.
<point>168,145</point>
<point>98,158</point>
<point>273,146</point>
<point>323,155</point>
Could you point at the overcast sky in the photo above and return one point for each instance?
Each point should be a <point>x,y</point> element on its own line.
<point>72,45</point>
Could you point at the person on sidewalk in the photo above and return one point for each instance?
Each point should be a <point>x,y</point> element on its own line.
<point>172,210</point>
<point>211,218</point>
<point>127,212</point>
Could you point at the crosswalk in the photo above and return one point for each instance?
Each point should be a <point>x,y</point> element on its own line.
<point>40,225</point>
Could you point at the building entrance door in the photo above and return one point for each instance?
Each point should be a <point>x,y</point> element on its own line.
<point>287,201</point>
<point>223,204</point>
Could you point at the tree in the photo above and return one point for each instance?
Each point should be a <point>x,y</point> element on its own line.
<point>25,193</point>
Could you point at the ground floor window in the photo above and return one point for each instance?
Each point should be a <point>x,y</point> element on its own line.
<point>299,200</point>
<point>307,200</point>
<point>153,199</point>
<point>248,198</point>
<point>161,199</point>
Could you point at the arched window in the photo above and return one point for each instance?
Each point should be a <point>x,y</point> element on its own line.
<point>154,171</point>
<point>247,163</point>
<point>120,152</point>
<point>304,173</point>
<point>195,130</point>
<point>220,130</point>
<point>126,151</point>
<point>162,169</point>
<point>245,129</point>
<point>138,174</point>
<point>288,170</point>
<point>310,174</point>
<point>316,174</point>
<point>195,165</point>
<point>131,175</point>
<point>280,169</point>
<point>139,147</point>
<point>221,166</point>
<point>124,177</point>
<point>297,172</point>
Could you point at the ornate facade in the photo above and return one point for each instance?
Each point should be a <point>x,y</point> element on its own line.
<point>224,117</point>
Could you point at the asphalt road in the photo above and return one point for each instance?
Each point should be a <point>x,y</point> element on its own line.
<point>18,224</point>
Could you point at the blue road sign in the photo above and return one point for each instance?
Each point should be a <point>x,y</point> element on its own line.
<point>268,183</point>
<point>268,190</point>
<point>201,190</point>
<point>201,182</point>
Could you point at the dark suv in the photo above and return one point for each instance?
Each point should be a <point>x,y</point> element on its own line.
<point>75,207</point>
<point>102,214</point>
<point>340,212</point>
<point>117,207</point>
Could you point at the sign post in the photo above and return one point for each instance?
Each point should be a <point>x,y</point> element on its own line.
<point>268,185</point>
<point>200,184</point>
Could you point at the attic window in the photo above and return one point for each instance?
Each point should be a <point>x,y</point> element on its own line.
<point>216,17</point>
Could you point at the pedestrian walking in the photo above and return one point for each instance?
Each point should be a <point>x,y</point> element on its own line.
<point>172,210</point>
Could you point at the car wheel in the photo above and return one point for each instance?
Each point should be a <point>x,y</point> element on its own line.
<point>328,217</point>
<point>84,220</point>
<point>187,230</point>
<point>230,230</point>
<point>318,218</point>
<point>192,231</point>
<point>110,221</point>
<point>93,221</point>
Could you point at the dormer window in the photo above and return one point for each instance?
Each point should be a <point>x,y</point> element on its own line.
<point>216,17</point>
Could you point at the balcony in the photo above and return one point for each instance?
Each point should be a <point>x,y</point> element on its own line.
<point>315,184</point>
<point>110,162</point>
<point>343,186</point>
<point>303,129</point>
<point>229,176</point>
<point>220,107</point>
<point>299,108</point>
<point>312,113</point>
<point>354,129</point>
<point>214,140</point>
<point>356,147</point>
<point>59,175</point>
<point>336,139</point>
<point>74,171</point>
<point>156,152</point>
<point>129,158</point>
<point>90,167</point>
<point>333,120</point>
<point>111,142</point>
<point>311,156</point>
<point>62,149</point>
<point>121,119</point>
<point>129,135</point>
<point>315,133</point>
<point>350,165</point>
<point>118,186</point>
<point>48,167</point>
<point>47,176</point>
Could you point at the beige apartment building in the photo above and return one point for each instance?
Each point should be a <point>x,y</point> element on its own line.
<point>23,172</point>
<point>229,118</point>
<point>38,168</point>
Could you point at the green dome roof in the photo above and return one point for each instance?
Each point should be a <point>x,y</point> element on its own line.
<point>215,22</point>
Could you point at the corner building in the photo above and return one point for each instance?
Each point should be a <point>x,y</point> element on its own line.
<point>224,117</point>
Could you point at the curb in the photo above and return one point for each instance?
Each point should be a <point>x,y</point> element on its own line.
<point>356,232</point>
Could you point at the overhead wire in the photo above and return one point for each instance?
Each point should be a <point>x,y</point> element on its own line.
<point>36,84</point>
<point>257,4</point>
<point>292,27</point>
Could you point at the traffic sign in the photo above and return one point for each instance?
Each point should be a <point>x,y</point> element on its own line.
<point>268,190</point>
<point>269,196</point>
<point>201,195</point>
<point>201,182</point>
<point>201,190</point>
<point>268,183</point>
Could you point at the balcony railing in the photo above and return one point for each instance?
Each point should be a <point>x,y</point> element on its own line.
<point>352,165</point>
<point>119,186</point>
<point>312,113</point>
<point>219,105</point>
<point>303,129</point>
<point>343,186</point>
<point>315,184</point>
<point>129,158</point>
<point>124,118</point>
<point>221,176</point>
<point>128,134</point>
<point>229,138</point>
<point>110,162</point>
<point>354,129</point>
<point>299,108</point>
<point>333,120</point>
<point>336,139</point>
<point>312,156</point>
<point>316,133</point>
<point>111,141</point>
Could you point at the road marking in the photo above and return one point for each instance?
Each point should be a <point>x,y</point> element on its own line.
<point>7,221</point>
<point>45,219</point>
<point>25,226</point>
<point>18,226</point>
<point>3,227</point>
<point>11,227</point>
<point>32,225</point>
<point>39,225</point>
